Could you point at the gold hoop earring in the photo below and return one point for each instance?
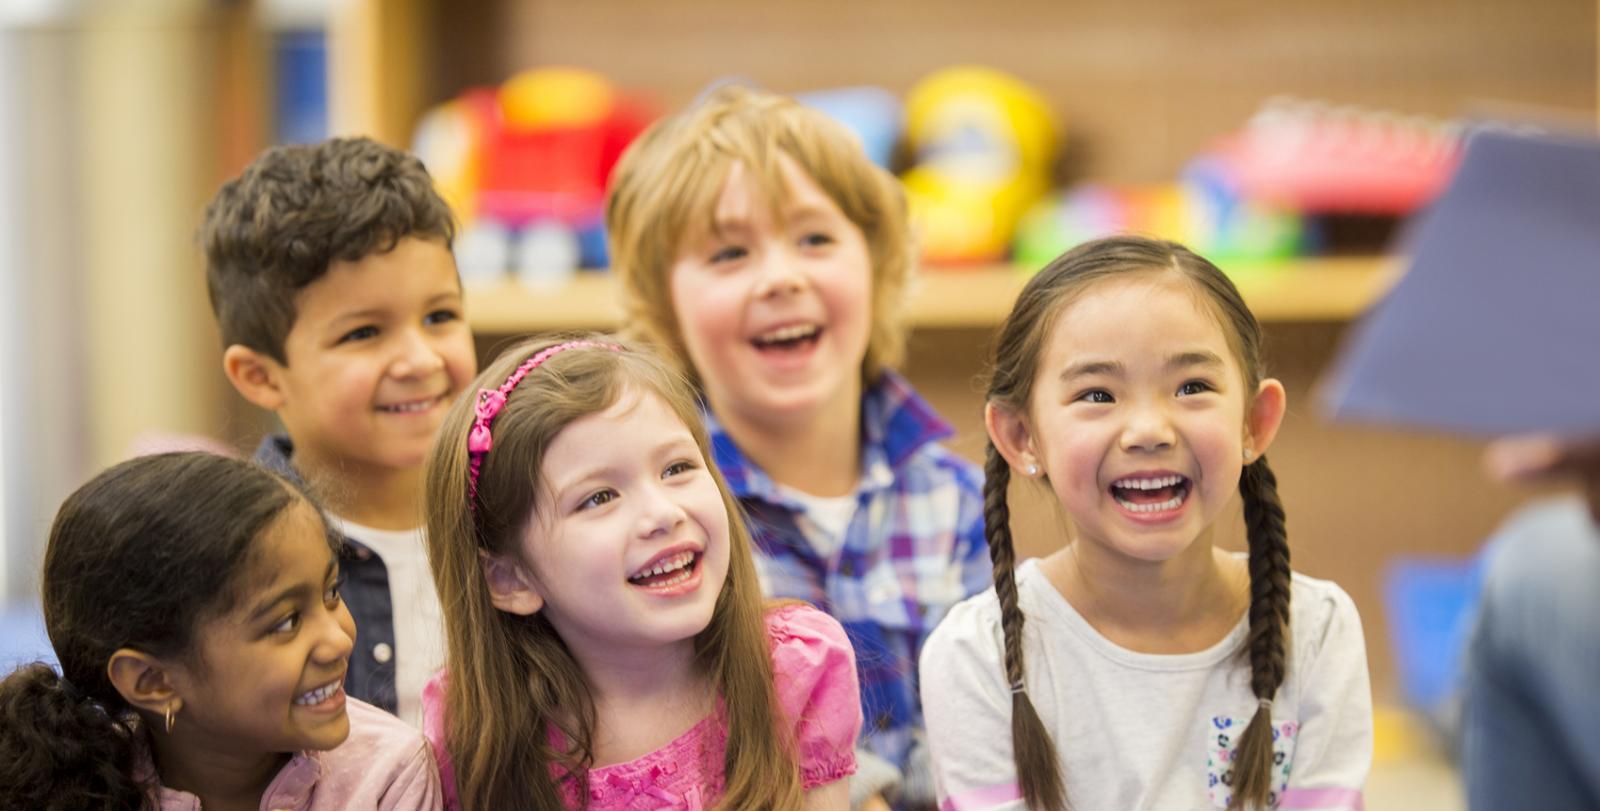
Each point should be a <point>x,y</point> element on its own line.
<point>169,718</point>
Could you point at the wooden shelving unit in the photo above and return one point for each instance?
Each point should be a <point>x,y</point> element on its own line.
<point>1313,289</point>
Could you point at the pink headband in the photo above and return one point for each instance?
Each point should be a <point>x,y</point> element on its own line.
<point>490,401</point>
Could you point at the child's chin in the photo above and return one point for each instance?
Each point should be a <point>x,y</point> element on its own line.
<point>326,736</point>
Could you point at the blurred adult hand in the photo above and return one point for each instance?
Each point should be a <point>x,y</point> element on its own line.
<point>1543,458</point>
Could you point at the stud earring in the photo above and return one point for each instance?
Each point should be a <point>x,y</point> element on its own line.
<point>1248,453</point>
<point>1033,470</point>
<point>169,718</point>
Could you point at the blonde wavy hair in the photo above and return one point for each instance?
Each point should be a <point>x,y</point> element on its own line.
<point>664,193</point>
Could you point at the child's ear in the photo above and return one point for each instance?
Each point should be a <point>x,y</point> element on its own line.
<point>511,587</point>
<point>144,681</point>
<point>1265,417</point>
<point>255,375</point>
<point>1010,434</point>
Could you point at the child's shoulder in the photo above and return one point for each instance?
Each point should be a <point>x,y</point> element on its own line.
<point>912,434</point>
<point>810,653</point>
<point>374,730</point>
<point>795,622</point>
<point>1317,605</point>
<point>814,679</point>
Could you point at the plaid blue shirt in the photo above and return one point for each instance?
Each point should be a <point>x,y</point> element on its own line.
<point>914,549</point>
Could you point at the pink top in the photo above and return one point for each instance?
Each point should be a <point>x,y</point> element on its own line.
<point>814,673</point>
<point>384,764</point>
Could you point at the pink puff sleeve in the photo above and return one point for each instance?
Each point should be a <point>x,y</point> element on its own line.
<point>433,728</point>
<point>814,673</point>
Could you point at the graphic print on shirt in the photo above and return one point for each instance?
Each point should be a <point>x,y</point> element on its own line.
<point>1222,740</point>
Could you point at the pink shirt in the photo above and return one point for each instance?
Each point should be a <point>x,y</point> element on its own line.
<point>384,764</point>
<point>814,673</point>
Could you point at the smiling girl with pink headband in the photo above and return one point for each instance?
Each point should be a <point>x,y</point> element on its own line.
<point>608,646</point>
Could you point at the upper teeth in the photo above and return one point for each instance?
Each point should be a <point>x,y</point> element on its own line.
<point>319,695</point>
<point>788,333</point>
<point>673,563</point>
<point>1147,484</point>
<point>420,405</point>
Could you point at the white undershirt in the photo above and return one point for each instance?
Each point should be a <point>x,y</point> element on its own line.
<point>418,620</point>
<point>831,516</point>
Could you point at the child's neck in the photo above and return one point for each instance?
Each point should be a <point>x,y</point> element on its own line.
<point>644,699</point>
<point>817,452</point>
<point>1181,605</point>
<point>222,779</point>
<point>379,497</point>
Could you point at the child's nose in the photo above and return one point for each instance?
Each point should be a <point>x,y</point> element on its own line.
<point>780,276</point>
<point>659,514</point>
<point>1148,429</point>
<point>416,356</point>
<point>337,635</point>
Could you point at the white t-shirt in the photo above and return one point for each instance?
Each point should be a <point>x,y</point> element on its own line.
<point>830,516</point>
<point>1145,731</point>
<point>418,620</point>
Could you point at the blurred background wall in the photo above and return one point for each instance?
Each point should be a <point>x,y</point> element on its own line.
<point>119,118</point>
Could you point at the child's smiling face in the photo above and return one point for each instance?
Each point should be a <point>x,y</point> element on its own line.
<point>378,349</point>
<point>1140,416</point>
<point>774,307</point>
<point>269,673</point>
<point>629,544</point>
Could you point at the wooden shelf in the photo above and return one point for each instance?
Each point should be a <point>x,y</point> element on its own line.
<point>1316,289</point>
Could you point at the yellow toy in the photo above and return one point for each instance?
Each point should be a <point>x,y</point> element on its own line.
<point>985,144</point>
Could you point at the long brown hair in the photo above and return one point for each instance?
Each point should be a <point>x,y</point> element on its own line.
<point>1015,366</point>
<point>511,677</point>
<point>665,189</point>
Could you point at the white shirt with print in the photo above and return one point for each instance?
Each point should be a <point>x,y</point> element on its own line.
<point>1146,731</point>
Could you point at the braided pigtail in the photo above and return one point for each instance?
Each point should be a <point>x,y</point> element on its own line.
<point>1269,627</point>
<point>1038,770</point>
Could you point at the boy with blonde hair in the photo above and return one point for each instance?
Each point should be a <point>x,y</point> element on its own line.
<point>756,241</point>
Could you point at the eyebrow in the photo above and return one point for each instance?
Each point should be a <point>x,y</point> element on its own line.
<point>684,443</point>
<point>294,592</point>
<point>377,312</point>
<point>1182,360</point>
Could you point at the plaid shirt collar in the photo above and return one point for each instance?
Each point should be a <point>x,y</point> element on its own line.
<point>895,423</point>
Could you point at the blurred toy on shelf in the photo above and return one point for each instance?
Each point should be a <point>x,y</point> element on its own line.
<point>526,164</point>
<point>874,114</point>
<point>1203,210</point>
<point>1316,157</point>
<point>984,146</point>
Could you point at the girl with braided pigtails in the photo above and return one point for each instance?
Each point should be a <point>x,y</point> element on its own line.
<point>1142,666</point>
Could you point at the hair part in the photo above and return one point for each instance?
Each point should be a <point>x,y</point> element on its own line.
<point>296,210</point>
<point>511,678</point>
<point>665,189</point>
<point>1018,351</point>
<point>139,557</point>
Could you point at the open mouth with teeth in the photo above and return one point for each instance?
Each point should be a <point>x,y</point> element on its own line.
<point>312,698</point>
<point>1155,494</point>
<point>666,572</point>
<point>789,338</point>
<point>413,406</point>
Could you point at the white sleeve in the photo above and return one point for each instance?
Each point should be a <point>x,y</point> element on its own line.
<point>1333,749</point>
<point>967,707</point>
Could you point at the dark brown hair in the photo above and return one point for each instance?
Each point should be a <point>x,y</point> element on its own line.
<point>1015,367</point>
<point>137,558</point>
<point>296,210</point>
<point>511,677</point>
<point>665,188</point>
